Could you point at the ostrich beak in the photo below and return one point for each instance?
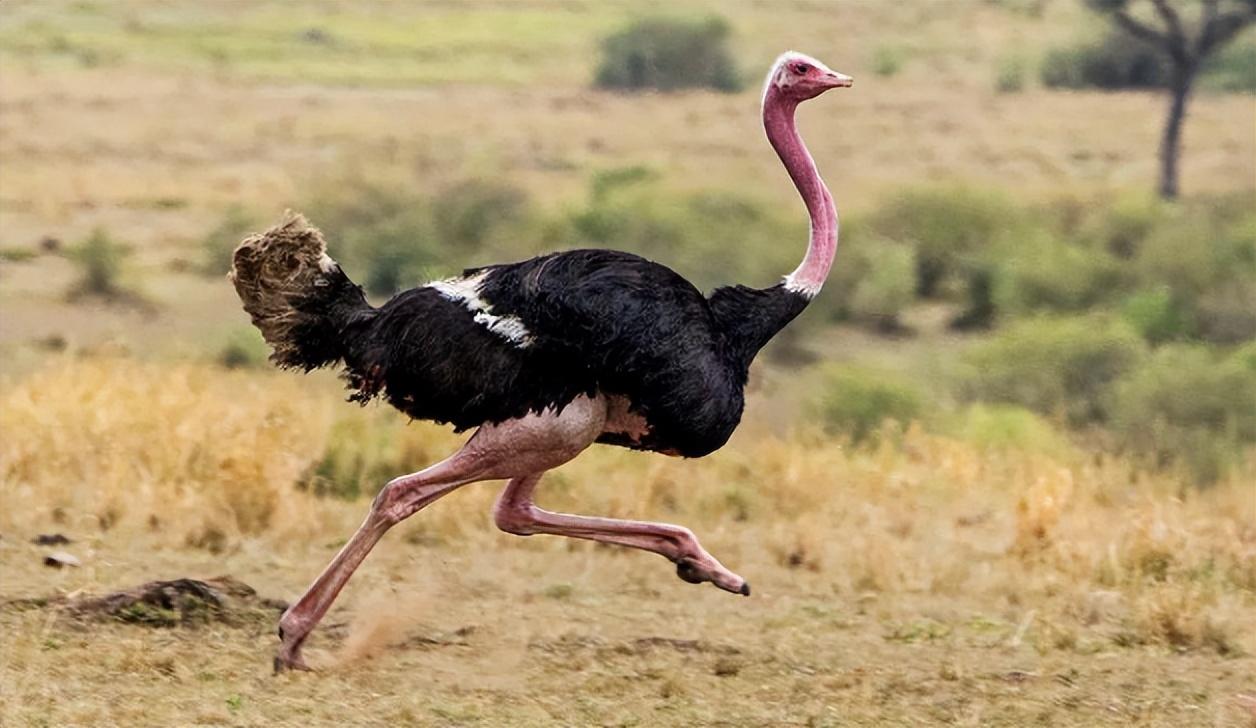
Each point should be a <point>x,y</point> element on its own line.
<point>833,79</point>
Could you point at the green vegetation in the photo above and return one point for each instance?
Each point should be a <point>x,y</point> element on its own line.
<point>1010,76</point>
<point>887,60</point>
<point>1189,405</point>
<point>1118,61</point>
<point>100,261</point>
<point>667,54</point>
<point>217,247</point>
<point>243,348</point>
<point>1115,61</point>
<point>1059,366</point>
<point>859,402</point>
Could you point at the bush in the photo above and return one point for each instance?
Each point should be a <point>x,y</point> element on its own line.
<point>218,246</point>
<point>1056,366</point>
<point>1233,68</point>
<point>100,260</point>
<point>948,226</point>
<point>669,54</point>
<point>1155,315</point>
<point>873,281</point>
<point>887,61</point>
<point>244,348</point>
<point>1006,427</point>
<point>468,215</point>
<point>858,402</point>
<point>1208,266</point>
<point>1010,77</point>
<point>1116,61</point>
<point>1037,272</point>
<point>887,289</point>
<point>1187,406</point>
<point>1121,226</point>
<point>397,238</point>
<point>712,238</point>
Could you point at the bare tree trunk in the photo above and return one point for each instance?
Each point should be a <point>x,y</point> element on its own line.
<point>1170,144</point>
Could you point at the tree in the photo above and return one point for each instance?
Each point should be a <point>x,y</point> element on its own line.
<point>1187,40</point>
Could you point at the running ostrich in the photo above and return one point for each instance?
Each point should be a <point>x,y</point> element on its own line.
<point>543,358</point>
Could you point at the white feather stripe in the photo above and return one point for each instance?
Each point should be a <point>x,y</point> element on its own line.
<point>467,292</point>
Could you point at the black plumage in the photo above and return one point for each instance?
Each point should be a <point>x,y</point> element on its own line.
<point>582,321</point>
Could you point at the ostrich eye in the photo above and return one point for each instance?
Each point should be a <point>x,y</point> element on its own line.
<point>801,69</point>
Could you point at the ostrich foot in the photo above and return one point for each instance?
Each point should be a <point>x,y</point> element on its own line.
<point>285,662</point>
<point>694,572</point>
<point>289,655</point>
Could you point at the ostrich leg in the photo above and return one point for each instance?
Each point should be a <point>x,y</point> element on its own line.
<point>510,449</point>
<point>515,513</point>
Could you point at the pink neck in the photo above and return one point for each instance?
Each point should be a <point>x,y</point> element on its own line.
<point>778,122</point>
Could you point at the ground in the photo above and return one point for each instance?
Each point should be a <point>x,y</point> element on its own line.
<point>922,581</point>
<point>436,636</point>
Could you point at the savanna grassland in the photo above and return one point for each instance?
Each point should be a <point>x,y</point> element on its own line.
<point>942,525</point>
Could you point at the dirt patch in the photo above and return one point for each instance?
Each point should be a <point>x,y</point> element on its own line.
<point>173,603</point>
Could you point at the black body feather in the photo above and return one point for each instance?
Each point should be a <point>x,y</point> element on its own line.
<point>595,320</point>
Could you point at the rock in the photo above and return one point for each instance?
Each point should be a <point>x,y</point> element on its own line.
<point>50,539</point>
<point>61,559</point>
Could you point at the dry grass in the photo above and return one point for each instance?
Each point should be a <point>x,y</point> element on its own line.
<point>926,581</point>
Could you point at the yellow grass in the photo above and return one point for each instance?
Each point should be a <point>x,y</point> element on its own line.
<point>925,580</point>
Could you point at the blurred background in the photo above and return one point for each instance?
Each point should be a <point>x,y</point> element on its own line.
<point>1016,428</point>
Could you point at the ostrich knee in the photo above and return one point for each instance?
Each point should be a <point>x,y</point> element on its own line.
<point>516,519</point>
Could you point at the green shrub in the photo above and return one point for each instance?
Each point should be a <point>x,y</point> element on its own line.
<point>100,261</point>
<point>712,238</point>
<point>669,54</point>
<point>1121,226</point>
<point>243,348</point>
<point>1156,315</point>
<point>1186,405</point>
<point>949,226</point>
<point>1233,68</point>
<point>1115,61</point>
<point>1208,265</point>
<point>1037,272</point>
<point>859,402</point>
<point>980,310</point>
<point>392,238</point>
<point>1006,427</point>
<point>362,454</point>
<point>873,281</point>
<point>887,289</point>
<point>1010,76</point>
<point>468,215</point>
<point>221,242</point>
<point>1056,366</point>
<point>18,255</point>
<point>887,60</point>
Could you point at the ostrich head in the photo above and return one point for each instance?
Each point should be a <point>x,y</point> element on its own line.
<point>799,77</point>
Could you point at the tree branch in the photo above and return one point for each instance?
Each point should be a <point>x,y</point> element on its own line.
<point>1139,30</point>
<point>1176,36</point>
<point>1219,29</point>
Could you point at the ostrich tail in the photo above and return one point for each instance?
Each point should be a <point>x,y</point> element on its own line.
<point>298,297</point>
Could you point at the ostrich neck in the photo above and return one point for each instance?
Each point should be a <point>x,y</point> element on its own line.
<point>778,122</point>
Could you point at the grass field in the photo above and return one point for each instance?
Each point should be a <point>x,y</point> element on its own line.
<point>977,577</point>
<point>927,581</point>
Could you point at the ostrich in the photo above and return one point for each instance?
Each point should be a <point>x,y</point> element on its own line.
<point>544,358</point>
